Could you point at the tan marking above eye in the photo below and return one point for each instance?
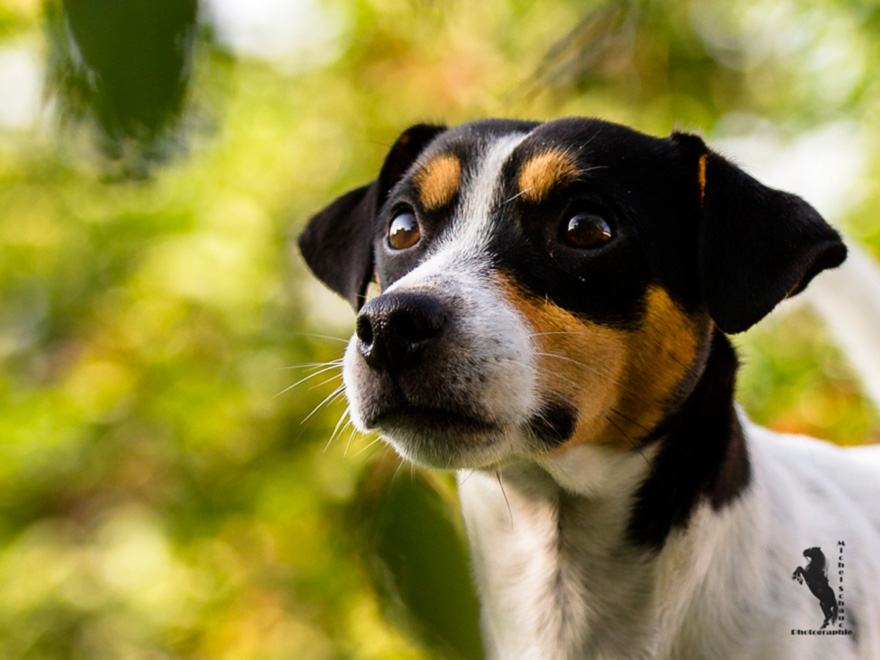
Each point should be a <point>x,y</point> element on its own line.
<point>437,181</point>
<point>544,172</point>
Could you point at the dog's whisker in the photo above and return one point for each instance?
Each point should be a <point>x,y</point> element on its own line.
<point>628,419</point>
<point>594,167</point>
<point>354,431</point>
<point>590,368</point>
<point>520,193</point>
<point>369,445</point>
<point>372,453</point>
<point>352,434</point>
<point>379,143</point>
<point>397,470</point>
<point>311,334</point>
<point>337,391</point>
<point>469,474</point>
<point>340,427</point>
<point>586,333</point>
<point>336,428</point>
<point>504,494</point>
<point>544,371</point>
<point>306,378</point>
<point>316,366</point>
<point>348,425</point>
<point>572,360</point>
<point>325,382</point>
<point>303,380</point>
<point>313,365</point>
<point>556,376</point>
<point>335,394</point>
<point>587,142</point>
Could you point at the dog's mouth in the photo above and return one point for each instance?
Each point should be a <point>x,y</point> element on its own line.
<point>447,437</point>
<point>436,436</point>
<point>409,417</point>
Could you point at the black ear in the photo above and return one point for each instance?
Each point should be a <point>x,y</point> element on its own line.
<point>757,245</point>
<point>337,243</point>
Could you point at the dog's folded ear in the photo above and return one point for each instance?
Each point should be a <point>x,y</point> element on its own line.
<point>757,245</point>
<point>337,242</point>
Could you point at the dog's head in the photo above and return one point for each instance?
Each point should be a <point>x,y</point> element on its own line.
<point>548,285</point>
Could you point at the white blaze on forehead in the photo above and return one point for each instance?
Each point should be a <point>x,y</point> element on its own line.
<point>473,220</point>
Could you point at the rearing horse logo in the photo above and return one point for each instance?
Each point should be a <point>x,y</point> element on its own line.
<point>817,580</point>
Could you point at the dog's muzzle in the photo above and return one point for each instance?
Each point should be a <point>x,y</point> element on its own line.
<point>442,368</point>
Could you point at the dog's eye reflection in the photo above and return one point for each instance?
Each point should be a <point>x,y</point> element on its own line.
<point>586,231</point>
<point>404,231</point>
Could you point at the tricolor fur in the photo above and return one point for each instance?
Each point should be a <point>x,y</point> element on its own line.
<point>618,505</point>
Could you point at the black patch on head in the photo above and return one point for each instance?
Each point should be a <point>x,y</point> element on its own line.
<point>702,454</point>
<point>554,425</point>
<point>638,185</point>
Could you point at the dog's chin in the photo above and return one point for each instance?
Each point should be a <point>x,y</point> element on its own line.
<point>443,439</point>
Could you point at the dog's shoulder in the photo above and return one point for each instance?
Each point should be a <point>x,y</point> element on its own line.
<point>817,474</point>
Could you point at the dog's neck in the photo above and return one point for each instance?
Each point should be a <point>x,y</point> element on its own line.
<point>569,551</point>
<point>556,575</point>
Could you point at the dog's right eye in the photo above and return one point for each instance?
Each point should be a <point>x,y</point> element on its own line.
<point>404,232</point>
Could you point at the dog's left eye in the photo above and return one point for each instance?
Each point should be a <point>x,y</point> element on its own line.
<point>585,231</point>
<point>404,231</point>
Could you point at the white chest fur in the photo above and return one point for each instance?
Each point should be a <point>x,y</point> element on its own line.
<point>558,578</point>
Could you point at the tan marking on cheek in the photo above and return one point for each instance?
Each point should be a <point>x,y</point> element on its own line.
<point>661,354</point>
<point>578,362</point>
<point>544,172</point>
<point>621,381</point>
<point>438,181</point>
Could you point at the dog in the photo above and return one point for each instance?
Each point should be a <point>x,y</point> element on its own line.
<point>552,319</point>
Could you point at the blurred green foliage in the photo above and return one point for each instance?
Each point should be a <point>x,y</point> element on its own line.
<point>160,494</point>
<point>124,66</point>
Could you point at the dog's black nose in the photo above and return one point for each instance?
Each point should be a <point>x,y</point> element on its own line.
<point>394,329</point>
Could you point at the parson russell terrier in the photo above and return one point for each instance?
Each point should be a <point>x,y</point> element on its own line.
<point>552,319</point>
